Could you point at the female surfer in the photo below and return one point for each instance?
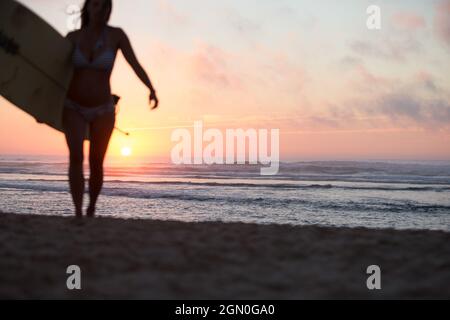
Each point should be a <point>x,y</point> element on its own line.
<point>89,103</point>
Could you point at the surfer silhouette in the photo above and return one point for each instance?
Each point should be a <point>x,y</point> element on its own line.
<point>89,105</point>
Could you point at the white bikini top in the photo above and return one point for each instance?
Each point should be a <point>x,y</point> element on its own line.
<point>105,61</point>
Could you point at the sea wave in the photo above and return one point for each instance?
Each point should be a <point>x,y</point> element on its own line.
<point>257,184</point>
<point>395,168</point>
<point>254,199</point>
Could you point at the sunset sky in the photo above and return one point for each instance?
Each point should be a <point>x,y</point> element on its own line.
<point>335,89</point>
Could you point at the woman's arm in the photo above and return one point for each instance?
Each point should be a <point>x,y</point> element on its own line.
<point>128,53</point>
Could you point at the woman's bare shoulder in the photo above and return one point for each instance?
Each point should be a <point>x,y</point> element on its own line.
<point>117,32</point>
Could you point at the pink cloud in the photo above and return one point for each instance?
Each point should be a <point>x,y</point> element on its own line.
<point>205,62</point>
<point>442,21</point>
<point>172,13</point>
<point>393,48</point>
<point>408,21</point>
<point>364,80</point>
<point>282,72</point>
<point>427,80</point>
<point>211,64</point>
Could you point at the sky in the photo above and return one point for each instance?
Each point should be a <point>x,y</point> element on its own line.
<point>334,88</point>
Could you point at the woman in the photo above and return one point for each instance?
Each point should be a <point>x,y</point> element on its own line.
<point>89,103</point>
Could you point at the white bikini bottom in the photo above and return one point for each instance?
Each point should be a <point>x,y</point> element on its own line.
<point>91,113</point>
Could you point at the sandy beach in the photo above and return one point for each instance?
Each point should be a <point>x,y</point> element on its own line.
<point>148,259</point>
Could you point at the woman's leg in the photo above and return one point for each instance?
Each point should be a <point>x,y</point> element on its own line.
<point>100,133</point>
<point>75,128</point>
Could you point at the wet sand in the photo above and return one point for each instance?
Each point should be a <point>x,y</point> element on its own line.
<point>148,259</point>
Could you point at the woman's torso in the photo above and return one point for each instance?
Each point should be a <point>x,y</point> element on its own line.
<point>90,85</point>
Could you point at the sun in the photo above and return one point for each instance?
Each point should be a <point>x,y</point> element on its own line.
<point>126,151</point>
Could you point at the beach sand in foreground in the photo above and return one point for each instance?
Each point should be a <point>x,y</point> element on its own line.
<point>148,259</point>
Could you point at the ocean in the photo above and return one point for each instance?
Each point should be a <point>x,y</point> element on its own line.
<point>372,194</point>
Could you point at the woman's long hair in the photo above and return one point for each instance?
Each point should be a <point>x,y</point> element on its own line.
<point>107,4</point>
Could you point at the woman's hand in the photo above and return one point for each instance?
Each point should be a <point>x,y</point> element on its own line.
<point>154,98</point>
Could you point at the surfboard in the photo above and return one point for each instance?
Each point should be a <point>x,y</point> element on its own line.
<point>35,64</point>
